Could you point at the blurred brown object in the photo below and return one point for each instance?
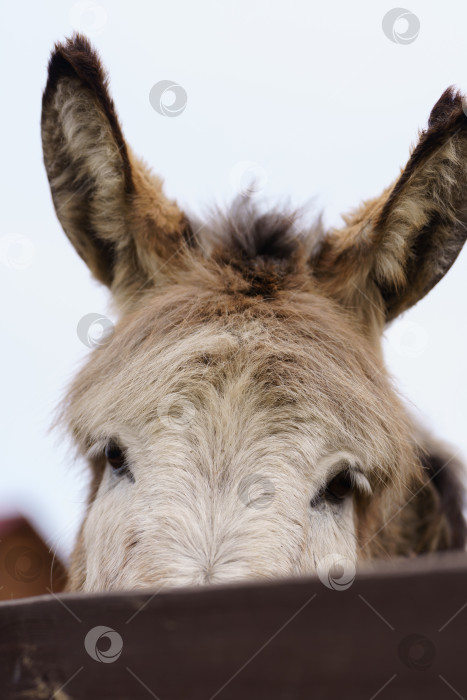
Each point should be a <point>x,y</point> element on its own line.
<point>27,566</point>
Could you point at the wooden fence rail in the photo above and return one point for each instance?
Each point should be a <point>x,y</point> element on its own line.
<point>396,632</point>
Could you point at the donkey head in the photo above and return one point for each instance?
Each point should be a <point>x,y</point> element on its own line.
<point>239,422</point>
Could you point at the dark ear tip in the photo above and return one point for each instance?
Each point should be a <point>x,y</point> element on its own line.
<point>450,106</point>
<point>75,60</point>
<point>75,57</point>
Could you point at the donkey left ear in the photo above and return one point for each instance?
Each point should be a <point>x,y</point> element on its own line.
<point>395,248</point>
<point>110,206</point>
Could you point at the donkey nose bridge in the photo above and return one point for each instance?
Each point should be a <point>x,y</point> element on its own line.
<point>223,540</point>
<point>223,528</point>
<point>238,544</point>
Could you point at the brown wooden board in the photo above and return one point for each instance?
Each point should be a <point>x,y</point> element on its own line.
<point>398,632</point>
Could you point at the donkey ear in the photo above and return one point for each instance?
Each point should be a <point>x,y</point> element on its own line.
<point>394,249</point>
<point>109,204</point>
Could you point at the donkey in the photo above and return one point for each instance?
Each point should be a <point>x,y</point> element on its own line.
<point>240,422</point>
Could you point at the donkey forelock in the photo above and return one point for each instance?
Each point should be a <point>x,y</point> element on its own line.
<point>239,421</point>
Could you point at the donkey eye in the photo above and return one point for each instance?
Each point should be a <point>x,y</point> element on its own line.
<point>339,487</point>
<point>115,456</point>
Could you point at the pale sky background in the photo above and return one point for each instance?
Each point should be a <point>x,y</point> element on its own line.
<point>314,94</point>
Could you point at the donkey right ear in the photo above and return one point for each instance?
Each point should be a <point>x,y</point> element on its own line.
<point>111,207</point>
<point>394,249</point>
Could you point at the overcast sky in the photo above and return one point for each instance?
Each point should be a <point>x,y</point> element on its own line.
<point>315,95</point>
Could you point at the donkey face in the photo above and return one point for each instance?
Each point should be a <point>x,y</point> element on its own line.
<point>239,422</point>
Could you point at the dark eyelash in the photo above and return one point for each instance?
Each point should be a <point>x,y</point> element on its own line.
<point>340,487</point>
<point>337,490</point>
<point>116,457</point>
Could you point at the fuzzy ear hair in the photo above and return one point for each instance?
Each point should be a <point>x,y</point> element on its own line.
<point>395,248</point>
<point>111,207</point>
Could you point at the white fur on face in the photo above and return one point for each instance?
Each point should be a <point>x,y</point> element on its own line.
<point>229,457</point>
<point>192,516</point>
